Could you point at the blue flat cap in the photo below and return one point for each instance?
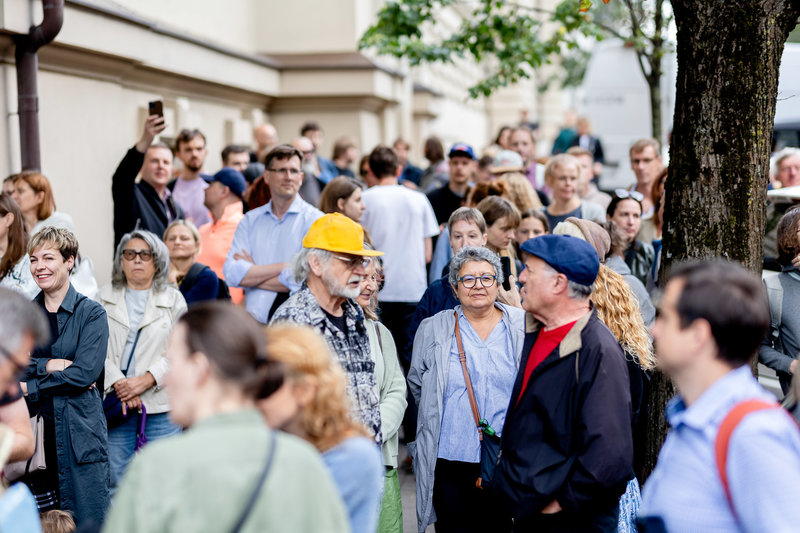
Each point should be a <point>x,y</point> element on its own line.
<point>233,179</point>
<point>573,257</point>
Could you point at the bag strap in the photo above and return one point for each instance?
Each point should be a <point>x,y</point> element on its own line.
<point>775,299</point>
<point>378,333</point>
<point>130,355</point>
<point>191,275</point>
<point>726,429</point>
<point>462,357</point>
<point>261,478</point>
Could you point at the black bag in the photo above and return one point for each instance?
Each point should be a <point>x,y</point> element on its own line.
<point>112,406</point>
<point>194,272</point>
<point>490,442</point>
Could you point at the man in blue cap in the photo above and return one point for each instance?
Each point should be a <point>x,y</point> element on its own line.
<point>567,449</point>
<point>449,197</point>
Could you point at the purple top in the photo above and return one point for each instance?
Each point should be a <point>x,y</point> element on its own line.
<point>190,195</point>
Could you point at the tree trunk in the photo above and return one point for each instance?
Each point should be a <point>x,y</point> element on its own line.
<point>654,86</point>
<point>728,59</point>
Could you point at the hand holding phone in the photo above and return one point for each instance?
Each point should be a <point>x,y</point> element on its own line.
<point>156,107</point>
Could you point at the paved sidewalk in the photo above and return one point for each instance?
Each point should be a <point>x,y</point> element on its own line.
<point>408,492</point>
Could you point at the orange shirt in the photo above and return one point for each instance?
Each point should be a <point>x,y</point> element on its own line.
<point>215,241</point>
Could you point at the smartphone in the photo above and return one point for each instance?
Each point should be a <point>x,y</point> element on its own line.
<point>156,108</point>
<point>505,262</point>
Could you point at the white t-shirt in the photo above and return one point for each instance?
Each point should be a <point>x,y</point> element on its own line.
<point>399,220</point>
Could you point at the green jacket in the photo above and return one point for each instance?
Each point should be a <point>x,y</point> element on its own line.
<point>201,480</point>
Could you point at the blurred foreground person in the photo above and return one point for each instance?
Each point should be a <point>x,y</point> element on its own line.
<point>228,471</point>
<point>312,405</point>
<point>731,461</point>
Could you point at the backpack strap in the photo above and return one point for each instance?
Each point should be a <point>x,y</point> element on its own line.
<point>191,275</point>
<point>775,298</point>
<point>724,433</point>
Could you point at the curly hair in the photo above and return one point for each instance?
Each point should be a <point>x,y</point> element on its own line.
<point>788,244</point>
<point>326,420</point>
<point>618,308</point>
<point>520,191</point>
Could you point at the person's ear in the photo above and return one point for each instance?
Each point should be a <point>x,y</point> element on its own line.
<point>315,264</point>
<point>340,205</point>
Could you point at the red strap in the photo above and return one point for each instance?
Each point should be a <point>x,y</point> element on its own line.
<point>726,429</point>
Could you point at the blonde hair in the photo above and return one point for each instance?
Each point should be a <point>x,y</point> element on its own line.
<point>189,225</point>
<point>560,161</point>
<point>520,191</point>
<point>618,308</point>
<point>61,239</point>
<point>56,521</point>
<point>326,420</point>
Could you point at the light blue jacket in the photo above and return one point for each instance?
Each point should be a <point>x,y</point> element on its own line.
<point>427,380</point>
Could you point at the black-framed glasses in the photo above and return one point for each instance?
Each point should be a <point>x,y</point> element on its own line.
<point>624,193</point>
<point>19,369</point>
<point>130,255</point>
<point>353,262</point>
<point>292,172</point>
<point>469,282</point>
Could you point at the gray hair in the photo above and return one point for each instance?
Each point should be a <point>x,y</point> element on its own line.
<point>300,266</point>
<point>20,316</point>
<point>575,291</point>
<point>160,259</point>
<point>780,156</point>
<point>474,253</point>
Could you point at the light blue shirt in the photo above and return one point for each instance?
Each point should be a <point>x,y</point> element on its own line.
<point>268,240</point>
<point>763,465</point>
<point>492,368</point>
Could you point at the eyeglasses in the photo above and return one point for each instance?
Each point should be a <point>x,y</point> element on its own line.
<point>353,262</point>
<point>469,282</point>
<point>378,279</point>
<point>130,255</point>
<point>292,172</point>
<point>624,193</point>
<point>19,369</point>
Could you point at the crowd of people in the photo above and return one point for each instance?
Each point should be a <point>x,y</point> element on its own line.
<point>273,332</point>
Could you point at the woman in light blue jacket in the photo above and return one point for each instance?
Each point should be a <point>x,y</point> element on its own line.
<point>447,450</point>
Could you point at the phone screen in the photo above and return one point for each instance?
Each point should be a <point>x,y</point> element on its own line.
<point>156,108</point>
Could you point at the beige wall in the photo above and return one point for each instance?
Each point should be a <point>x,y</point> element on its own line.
<point>96,79</point>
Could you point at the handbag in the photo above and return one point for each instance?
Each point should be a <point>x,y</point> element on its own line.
<point>490,442</point>
<point>112,406</point>
<point>14,471</point>
<point>141,436</point>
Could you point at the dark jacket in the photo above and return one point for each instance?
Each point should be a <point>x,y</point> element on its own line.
<point>438,296</point>
<point>204,287</point>
<point>81,434</point>
<point>569,438</point>
<point>138,204</point>
<point>639,257</point>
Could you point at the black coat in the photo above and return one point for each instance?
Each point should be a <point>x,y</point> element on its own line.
<point>569,438</point>
<point>138,204</point>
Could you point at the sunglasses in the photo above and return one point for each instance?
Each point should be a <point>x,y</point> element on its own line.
<point>624,193</point>
<point>130,255</point>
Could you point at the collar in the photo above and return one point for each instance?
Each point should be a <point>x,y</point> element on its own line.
<point>232,210</point>
<point>295,206</point>
<point>572,342</point>
<point>716,398</point>
<point>69,302</point>
<point>316,315</point>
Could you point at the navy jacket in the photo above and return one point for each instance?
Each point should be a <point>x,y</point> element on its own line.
<point>438,296</point>
<point>569,437</point>
<point>138,204</point>
<point>80,424</point>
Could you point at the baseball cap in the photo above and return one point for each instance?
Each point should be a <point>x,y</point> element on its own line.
<point>337,233</point>
<point>461,149</point>
<point>231,178</point>
<point>507,161</point>
<point>571,256</point>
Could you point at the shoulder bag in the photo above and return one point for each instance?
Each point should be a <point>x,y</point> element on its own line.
<point>112,406</point>
<point>273,442</point>
<point>490,442</point>
<point>18,469</point>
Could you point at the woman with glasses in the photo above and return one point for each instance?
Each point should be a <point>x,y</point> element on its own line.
<point>142,308</point>
<point>392,385</point>
<point>197,282</point>
<point>625,210</point>
<point>61,385</point>
<point>447,450</point>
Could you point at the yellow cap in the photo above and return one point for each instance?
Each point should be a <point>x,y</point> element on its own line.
<point>337,233</point>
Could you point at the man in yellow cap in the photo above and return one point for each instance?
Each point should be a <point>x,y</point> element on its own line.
<point>330,268</point>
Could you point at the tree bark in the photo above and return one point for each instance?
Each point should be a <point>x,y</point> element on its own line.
<point>729,55</point>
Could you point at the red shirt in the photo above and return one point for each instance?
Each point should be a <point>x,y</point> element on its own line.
<point>544,345</point>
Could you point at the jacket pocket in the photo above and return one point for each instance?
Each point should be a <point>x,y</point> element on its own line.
<point>87,429</point>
